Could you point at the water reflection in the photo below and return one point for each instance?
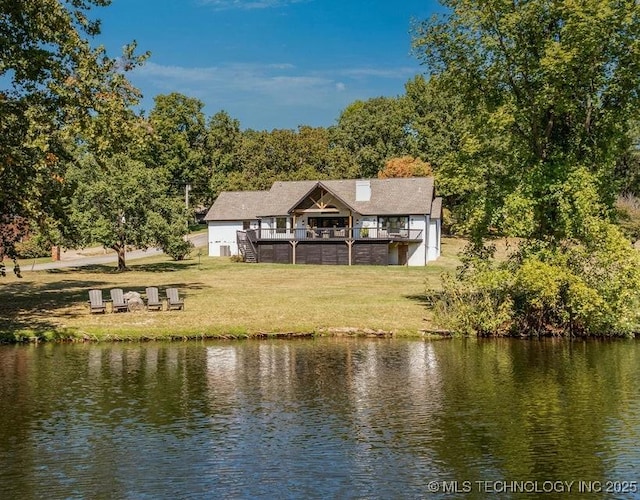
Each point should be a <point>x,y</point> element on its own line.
<point>314,418</point>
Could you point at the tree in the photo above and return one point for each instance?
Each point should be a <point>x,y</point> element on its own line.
<point>628,165</point>
<point>120,202</point>
<point>405,166</point>
<point>53,83</point>
<point>120,199</point>
<point>178,142</point>
<point>464,159</point>
<point>558,80</point>
<point>223,144</point>
<point>373,131</point>
<point>550,89</point>
<point>282,155</point>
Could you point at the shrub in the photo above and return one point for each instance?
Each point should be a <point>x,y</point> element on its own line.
<point>176,247</point>
<point>573,288</point>
<point>32,247</point>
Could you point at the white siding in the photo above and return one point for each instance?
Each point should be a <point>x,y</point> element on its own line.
<point>433,242</point>
<point>268,223</point>
<point>223,233</point>
<point>418,252</point>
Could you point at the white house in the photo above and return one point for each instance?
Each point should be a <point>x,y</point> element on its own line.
<point>371,221</point>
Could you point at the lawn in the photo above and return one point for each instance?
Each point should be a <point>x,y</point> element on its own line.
<point>223,299</point>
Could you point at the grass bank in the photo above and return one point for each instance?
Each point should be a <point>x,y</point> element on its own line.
<point>222,299</point>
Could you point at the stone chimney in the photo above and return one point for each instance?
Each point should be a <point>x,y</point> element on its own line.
<point>363,190</point>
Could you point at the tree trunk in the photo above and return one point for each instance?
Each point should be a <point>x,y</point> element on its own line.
<point>121,250</point>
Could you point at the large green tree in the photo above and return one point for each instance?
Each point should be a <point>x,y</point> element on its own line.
<point>178,143</point>
<point>120,202</point>
<point>464,159</point>
<point>120,198</point>
<point>280,154</point>
<point>53,84</point>
<point>549,89</point>
<point>223,144</point>
<point>553,84</point>
<point>373,131</point>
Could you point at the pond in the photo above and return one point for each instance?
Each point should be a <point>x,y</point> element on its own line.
<point>324,418</point>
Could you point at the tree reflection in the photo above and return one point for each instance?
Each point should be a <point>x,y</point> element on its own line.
<point>381,416</point>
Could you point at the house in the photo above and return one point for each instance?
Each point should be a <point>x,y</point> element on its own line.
<point>370,221</point>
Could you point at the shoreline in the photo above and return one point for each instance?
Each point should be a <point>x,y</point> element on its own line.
<point>345,332</point>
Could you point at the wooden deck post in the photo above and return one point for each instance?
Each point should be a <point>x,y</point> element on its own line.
<point>350,239</point>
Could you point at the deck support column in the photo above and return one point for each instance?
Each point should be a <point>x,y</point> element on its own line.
<point>294,244</point>
<point>351,236</point>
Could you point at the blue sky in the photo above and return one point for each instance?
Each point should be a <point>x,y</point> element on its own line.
<point>269,63</point>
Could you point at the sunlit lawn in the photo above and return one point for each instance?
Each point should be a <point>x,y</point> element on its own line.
<point>224,299</point>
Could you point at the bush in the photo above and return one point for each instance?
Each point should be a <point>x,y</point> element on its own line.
<point>473,305</point>
<point>32,247</point>
<point>572,288</point>
<point>176,247</point>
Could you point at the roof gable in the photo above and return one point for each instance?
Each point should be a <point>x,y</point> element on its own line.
<point>318,196</point>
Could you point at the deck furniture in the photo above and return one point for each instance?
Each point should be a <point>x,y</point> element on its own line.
<point>173,299</point>
<point>153,301</point>
<point>118,304</point>
<point>96,303</point>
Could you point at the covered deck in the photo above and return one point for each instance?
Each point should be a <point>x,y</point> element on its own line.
<point>335,234</point>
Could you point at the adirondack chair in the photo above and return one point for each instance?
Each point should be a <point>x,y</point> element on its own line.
<point>153,302</point>
<point>96,303</point>
<point>118,304</point>
<point>173,300</point>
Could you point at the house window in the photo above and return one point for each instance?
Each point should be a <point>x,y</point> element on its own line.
<point>246,225</point>
<point>393,224</point>
<point>281,224</point>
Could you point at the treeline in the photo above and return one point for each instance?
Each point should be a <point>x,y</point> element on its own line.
<point>215,154</point>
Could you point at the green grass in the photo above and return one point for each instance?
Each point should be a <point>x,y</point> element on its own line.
<point>223,299</point>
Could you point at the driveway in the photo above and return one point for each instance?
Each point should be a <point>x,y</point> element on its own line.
<point>95,256</point>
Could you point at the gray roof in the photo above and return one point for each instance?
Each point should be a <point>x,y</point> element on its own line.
<point>284,195</point>
<point>436,208</point>
<point>397,196</point>
<point>237,205</point>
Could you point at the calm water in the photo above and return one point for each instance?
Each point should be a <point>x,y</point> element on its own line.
<point>330,418</point>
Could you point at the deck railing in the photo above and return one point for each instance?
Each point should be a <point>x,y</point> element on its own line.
<point>336,233</point>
